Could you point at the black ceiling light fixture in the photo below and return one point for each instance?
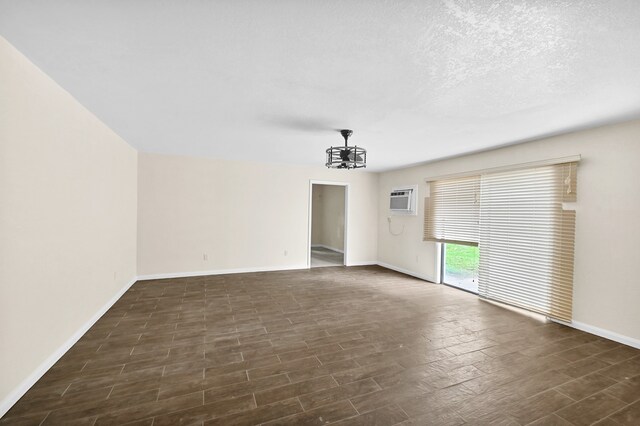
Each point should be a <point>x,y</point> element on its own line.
<point>346,157</point>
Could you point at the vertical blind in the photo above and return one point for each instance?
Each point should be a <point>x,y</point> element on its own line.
<point>524,233</point>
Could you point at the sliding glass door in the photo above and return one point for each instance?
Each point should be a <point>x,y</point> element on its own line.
<point>460,266</point>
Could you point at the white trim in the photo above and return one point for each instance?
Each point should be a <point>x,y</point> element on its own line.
<point>363,263</point>
<point>408,272</point>
<point>27,383</point>
<point>438,262</point>
<point>625,340</point>
<point>218,272</point>
<point>346,217</point>
<point>327,247</point>
<point>530,164</point>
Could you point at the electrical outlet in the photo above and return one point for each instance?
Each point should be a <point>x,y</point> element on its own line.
<point>115,276</point>
<point>205,256</point>
<point>286,252</point>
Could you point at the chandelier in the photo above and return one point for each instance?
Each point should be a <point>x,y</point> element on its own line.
<point>346,157</point>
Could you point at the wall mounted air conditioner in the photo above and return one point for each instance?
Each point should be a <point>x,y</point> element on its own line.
<point>402,200</point>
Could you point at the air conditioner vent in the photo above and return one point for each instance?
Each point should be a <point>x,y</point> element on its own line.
<point>402,200</point>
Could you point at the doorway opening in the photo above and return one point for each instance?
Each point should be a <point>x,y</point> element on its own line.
<point>327,224</point>
<point>460,266</point>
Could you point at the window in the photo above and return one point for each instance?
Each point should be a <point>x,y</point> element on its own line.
<point>523,230</point>
<point>452,211</point>
<point>460,266</point>
<point>527,238</point>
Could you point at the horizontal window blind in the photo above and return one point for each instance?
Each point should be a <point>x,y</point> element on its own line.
<point>452,211</point>
<point>526,238</point>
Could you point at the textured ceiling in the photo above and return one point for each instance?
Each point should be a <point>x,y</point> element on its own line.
<point>272,80</point>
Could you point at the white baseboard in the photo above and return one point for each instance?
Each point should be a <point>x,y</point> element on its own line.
<point>219,272</point>
<point>407,272</point>
<point>625,340</point>
<point>327,247</point>
<point>363,263</point>
<point>27,383</point>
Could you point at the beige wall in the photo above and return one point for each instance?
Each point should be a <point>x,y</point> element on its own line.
<point>67,218</point>
<point>242,215</point>
<point>606,289</point>
<point>328,216</point>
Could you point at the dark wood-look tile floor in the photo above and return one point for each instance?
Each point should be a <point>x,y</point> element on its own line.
<point>350,346</point>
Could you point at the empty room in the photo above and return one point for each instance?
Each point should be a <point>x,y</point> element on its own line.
<point>297,212</point>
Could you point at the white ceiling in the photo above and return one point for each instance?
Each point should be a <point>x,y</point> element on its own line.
<point>272,80</point>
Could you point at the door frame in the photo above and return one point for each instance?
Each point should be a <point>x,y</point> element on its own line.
<point>346,217</point>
